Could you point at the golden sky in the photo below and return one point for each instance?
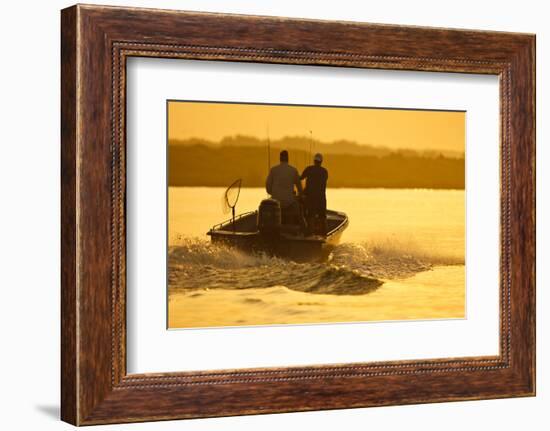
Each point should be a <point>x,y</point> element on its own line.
<point>392,128</point>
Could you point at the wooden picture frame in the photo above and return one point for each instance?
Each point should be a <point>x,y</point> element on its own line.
<point>95,43</point>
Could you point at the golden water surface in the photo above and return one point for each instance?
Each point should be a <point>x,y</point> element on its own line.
<point>400,227</point>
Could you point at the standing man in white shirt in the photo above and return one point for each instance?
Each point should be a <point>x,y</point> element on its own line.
<point>281,183</point>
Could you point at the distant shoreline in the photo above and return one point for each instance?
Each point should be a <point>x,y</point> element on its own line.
<point>202,165</point>
<point>303,143</point>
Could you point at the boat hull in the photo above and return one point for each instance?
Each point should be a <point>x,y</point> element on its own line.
<point>244,235</point>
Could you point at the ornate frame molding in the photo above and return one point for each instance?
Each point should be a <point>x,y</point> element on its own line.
<point>96,41</point>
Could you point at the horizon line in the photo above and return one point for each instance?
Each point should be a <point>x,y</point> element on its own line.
<point>328,143</point>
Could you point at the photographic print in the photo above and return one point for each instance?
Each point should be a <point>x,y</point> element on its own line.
<point>300,214</point>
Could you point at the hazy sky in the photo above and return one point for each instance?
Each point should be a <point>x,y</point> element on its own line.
<point>405,129</point>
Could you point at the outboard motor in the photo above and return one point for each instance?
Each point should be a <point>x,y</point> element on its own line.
<point>269,217</point>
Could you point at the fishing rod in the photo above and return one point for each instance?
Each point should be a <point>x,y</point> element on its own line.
<point>268,151</point>
<point>306,155</point>
<point>310,143</point>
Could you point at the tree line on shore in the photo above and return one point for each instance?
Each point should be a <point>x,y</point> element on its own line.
<point>199,164</point>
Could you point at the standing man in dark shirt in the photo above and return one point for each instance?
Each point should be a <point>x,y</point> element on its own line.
<point>315,195</point>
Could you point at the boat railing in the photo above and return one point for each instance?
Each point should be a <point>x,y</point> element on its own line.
<point>340,226</point>
<point>237,218</point>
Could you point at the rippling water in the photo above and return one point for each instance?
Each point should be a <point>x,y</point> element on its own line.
<point>402,257</point>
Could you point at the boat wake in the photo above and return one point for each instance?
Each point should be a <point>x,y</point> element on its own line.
<point>352,269</point>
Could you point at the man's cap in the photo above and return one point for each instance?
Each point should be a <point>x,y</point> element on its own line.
<point>318,157</point>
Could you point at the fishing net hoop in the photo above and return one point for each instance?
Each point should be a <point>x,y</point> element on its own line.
<point>230,200</point>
